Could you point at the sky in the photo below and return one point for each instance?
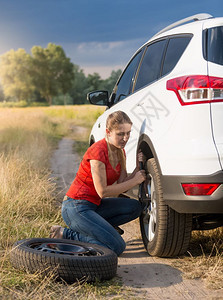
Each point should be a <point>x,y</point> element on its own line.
<point>98,35</point>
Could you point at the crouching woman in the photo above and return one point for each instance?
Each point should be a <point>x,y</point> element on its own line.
<point>91,208</point>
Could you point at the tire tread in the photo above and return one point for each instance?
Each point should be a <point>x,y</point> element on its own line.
<point>173,231</point>
<point>66,267</point>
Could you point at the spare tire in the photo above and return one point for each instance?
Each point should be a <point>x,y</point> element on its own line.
<point>66,259</point>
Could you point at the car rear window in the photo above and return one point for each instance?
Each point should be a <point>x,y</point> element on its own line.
<point>215,45</point>
<point>175,49</point>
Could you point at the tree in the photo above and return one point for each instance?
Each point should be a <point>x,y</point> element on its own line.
<point>52,71</point>
<point>110,82</point>
<point>2,96</point>
<point>94,82</point>
<point>48,73</point>
<point>79,86</point>
<point>15,70</point>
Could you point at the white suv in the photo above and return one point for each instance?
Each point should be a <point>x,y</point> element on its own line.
<point>172,89</point>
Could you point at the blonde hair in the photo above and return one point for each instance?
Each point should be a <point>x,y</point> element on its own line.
<point>113,121</point>
<point>116,118</point>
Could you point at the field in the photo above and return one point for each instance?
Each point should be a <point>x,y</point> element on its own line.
<point>27,138</point>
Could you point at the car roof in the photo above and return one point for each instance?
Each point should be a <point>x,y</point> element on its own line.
<point>186,25</point>
<point>197,17</point>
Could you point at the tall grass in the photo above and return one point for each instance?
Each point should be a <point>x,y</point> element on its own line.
<point>83,115</point>
<point>204,258</point>
<point>22,103</point>
<point>27,138</point>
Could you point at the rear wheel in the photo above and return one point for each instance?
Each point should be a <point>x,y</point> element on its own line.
<point>165,232</point>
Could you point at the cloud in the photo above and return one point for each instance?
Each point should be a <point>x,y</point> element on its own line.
<point>102,56</point>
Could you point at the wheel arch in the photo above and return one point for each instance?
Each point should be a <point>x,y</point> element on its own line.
<point>146,146</point>
<point>91,140</point>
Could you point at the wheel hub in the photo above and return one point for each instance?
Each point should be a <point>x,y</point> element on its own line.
<point>66,249</point>
<point>149,219</point>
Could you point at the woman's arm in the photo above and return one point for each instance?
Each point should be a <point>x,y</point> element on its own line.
<point>123,176</point>
<point>100,180</point>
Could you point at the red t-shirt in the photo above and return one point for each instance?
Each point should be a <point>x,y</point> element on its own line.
<point>83,186</point>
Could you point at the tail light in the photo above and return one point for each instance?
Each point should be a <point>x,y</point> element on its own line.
<point>199,189</point>
<point>197,89</point>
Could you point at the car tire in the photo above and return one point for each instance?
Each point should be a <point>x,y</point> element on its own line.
<point>64,259</point>
<point>165,232</point>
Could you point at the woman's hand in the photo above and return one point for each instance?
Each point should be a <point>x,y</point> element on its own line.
<point>140,176</point>
<point>98,171</point>
<point>140,158</point>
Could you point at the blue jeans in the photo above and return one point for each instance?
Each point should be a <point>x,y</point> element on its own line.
<point>90,223</point>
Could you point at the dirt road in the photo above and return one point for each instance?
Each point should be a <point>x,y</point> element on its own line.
<point>148,277</point>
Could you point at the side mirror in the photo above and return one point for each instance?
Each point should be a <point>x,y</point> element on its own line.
<point>98,98</point>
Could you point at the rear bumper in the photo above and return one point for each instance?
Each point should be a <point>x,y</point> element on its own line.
<point>175,197</point>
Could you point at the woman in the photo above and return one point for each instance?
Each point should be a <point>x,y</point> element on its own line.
<point>91,208</point>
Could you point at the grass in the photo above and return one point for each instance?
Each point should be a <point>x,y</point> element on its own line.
<point>204,258</point>
<point>82,115</point>
<point>27,139</point>
<point>21,103</point>
<point>81,140</point>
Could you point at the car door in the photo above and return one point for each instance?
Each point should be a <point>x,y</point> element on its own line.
<point>135,105</point>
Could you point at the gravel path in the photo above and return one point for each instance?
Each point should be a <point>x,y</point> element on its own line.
<point>148,277</point>
<point>64,165</point>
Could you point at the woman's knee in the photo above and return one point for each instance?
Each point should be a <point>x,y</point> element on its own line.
<point>136,207</point>
<point>113,241</point>
<point>139,208</point>
<point>119,248</point>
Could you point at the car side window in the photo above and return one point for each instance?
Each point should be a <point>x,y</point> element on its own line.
<point>124,86</point>
<point>151,64</point>
<point>175,49</point>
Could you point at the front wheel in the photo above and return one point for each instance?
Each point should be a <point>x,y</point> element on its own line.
<point>165,232</point>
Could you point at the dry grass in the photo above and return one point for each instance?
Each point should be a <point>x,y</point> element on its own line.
<point>204,258</point>
<point>82,115</point>
<point>26,141</point>
<point>27,138</point>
